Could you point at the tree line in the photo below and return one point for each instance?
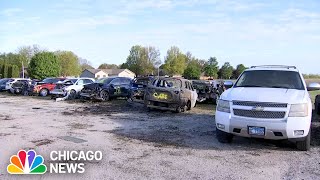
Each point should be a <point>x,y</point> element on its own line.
<point>142,60</point>
<point>145,60</point>
<point>40,63</point>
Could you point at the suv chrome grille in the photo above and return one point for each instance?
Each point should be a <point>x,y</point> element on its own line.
<point>260,104</point>
<point>260,114</point>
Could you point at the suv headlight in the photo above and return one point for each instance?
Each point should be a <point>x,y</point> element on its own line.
<point>298,110</point>
<point>223,106</point>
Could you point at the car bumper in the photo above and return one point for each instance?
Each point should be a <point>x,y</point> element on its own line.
<point>274,128</point>
<point>58,92</point>
<point>171,106</point>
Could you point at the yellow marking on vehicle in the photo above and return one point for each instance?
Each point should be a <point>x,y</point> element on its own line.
<point>118,90</point>
<point>160,96</point>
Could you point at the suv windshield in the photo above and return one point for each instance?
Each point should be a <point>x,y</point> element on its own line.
<point>270,79</point>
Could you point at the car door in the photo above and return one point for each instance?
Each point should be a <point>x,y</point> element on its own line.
<point>125,86</point>
<point>194,95</point>
<point>79,85</point>
<point>115,87</point>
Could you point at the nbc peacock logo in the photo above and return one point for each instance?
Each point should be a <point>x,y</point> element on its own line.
<point>26,163</point>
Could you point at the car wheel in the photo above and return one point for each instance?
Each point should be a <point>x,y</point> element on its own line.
<point>72,94</point>
<point>178,110</point>
<point>188,105</point>
<point>44,92</point>
<point>25,93</point>
<point>223,137</point>
<point>104,96</point>
<point>317,105</point>
<point>305,144</point>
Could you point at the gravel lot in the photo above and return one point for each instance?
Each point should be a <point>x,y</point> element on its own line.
<point>137,144</point>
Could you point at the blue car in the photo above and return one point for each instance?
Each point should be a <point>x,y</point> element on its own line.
<point>107,88</point>
<point>3,83</point>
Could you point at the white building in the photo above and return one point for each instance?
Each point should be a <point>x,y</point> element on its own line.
<point>102,73</point>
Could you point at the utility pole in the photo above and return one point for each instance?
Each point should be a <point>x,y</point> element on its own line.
<point>22,70</point>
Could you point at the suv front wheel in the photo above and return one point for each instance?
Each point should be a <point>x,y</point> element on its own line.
<point>317,104</point>
<point>223,137</point>
<point>305,144</point>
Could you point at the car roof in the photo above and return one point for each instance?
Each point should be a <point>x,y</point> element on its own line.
<point>273,68</point>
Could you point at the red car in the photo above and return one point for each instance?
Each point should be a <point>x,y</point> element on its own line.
<point>44,87</point>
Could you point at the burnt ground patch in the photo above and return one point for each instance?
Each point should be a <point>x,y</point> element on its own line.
<point>105,108</point>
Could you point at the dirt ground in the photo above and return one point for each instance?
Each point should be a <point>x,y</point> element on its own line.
<point>137,144</point>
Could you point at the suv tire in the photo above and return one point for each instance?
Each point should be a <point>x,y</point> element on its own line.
<point>317,105</point>
<point>305,144</point>
<point>223,137</point>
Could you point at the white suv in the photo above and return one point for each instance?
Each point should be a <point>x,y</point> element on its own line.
<point>270,102</point>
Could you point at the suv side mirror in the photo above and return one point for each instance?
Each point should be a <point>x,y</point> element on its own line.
<point>111,85</point>
<point>313,87</point>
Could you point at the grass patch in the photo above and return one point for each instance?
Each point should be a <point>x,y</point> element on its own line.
<point>313,95</point>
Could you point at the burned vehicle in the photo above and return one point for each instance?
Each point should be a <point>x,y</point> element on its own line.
<point>70,88</point>
<point>174,94</point>
<point>105,89</point>
<point>44,87</point>
<point>24,87</point>
<point>138,87</point>
<point>206,90</point>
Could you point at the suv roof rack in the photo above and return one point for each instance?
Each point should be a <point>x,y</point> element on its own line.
<point>275,66</point>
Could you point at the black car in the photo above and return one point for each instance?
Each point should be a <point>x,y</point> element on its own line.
<point>3,83</point>
<point>138,87</point>
<point>106,88</point>
<point>24,87</point>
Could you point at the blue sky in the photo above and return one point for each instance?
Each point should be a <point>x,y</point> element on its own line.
<point>251,32</point>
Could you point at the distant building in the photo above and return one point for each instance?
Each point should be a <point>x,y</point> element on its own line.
<point>102,73</point>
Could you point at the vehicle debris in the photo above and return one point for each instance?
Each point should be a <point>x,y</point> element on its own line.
<point>174,94</point>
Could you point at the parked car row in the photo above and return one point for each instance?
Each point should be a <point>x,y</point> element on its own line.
<point>175,94</point>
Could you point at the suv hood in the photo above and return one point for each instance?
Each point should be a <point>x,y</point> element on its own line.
<point>290,96</point>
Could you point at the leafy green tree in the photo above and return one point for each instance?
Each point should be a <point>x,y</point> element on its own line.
<point>239,69</point>
<point>211,68</point>
<point>193,70</point>
<point>226,71</point>
<point>108,66</point>
<point>69,63</point>
<point>27,52</point>
<point>44,64</point>
<point>142,60</point>
<point>175,62</point>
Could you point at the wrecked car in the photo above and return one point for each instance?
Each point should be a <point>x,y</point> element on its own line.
<point>174,94</point>
<point>70,88</point>
<point>105,89</point>
<point>138,87</point>
<point>206,90</point>
<point>23,87</point>
<point>44,87</point>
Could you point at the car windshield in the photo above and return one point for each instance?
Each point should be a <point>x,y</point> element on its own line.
<point>271,79</point>
<point>104,80</point>
<point>73,80</point>
<point>172,83</point>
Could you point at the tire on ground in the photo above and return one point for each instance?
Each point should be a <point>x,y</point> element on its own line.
<point>305,144</point>
<point>223,137</point>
